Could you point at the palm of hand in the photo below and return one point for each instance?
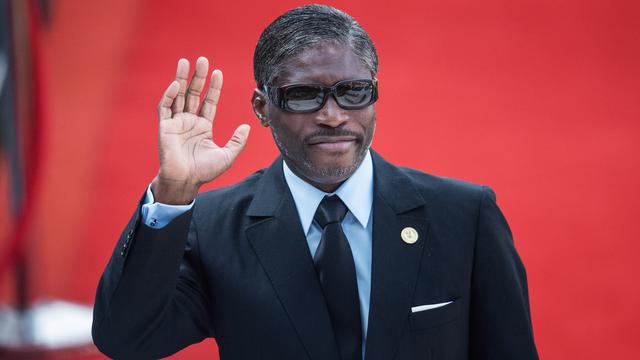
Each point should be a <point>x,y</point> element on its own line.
<point>189,151</point>
<point>188,155</point>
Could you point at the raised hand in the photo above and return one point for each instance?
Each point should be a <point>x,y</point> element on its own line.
<point>188,156</point>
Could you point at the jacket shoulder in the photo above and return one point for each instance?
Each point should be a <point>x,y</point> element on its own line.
<point>436,187</point>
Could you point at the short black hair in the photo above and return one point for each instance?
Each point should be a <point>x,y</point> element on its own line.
<point>302,28</point>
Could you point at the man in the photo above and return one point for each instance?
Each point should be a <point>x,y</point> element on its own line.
<point>331,252</point>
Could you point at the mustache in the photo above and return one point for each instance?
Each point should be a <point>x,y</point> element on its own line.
<point>332,132</point>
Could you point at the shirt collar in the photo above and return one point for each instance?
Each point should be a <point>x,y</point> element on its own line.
<point>356,193</point>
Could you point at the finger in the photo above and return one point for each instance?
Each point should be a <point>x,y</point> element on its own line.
<point>210,102</point>
<point>196,85</point>
<point>182,73</point>
<point>169,96</point>
<point>238,141</point>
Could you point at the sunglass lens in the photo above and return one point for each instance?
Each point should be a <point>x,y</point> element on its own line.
<point>304,98</point>
<point>354,94</point>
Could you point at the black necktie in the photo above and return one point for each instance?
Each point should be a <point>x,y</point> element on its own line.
<point>337,273</point>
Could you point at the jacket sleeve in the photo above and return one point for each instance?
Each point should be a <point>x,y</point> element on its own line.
<point>500,320</point>
<point>150,301</point>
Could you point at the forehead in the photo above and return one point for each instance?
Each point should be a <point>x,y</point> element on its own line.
<point>324,64</point>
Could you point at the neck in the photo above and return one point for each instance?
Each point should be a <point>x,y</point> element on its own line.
<point>328,188</point>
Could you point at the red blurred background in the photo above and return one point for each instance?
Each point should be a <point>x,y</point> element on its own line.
<point>538,99</point>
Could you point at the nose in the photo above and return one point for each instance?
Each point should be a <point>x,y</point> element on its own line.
<point>331,114</point>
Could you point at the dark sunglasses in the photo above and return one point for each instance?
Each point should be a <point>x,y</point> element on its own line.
<point>303,98</point>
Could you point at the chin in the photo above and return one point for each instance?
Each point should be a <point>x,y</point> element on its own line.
<point>325,170</point>
<point>331,173</point>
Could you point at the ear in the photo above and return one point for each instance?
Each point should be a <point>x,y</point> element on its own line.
<point>260,104</point>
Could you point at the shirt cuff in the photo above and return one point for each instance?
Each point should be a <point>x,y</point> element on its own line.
<point>158,215</point>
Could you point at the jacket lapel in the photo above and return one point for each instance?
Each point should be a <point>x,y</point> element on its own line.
<point>395,264</point>
<point>280,244</point>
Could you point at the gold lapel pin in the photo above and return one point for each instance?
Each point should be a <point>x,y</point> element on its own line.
<point>409,235</point>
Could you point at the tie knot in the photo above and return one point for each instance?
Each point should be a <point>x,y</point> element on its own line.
<point>330,210</point>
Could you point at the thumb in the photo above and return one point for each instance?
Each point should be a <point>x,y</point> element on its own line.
<point>238,140</point>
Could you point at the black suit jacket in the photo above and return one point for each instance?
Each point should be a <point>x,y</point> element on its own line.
<point>237,267</point>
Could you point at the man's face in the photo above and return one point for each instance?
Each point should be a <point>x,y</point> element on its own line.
<point>324,147</point>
